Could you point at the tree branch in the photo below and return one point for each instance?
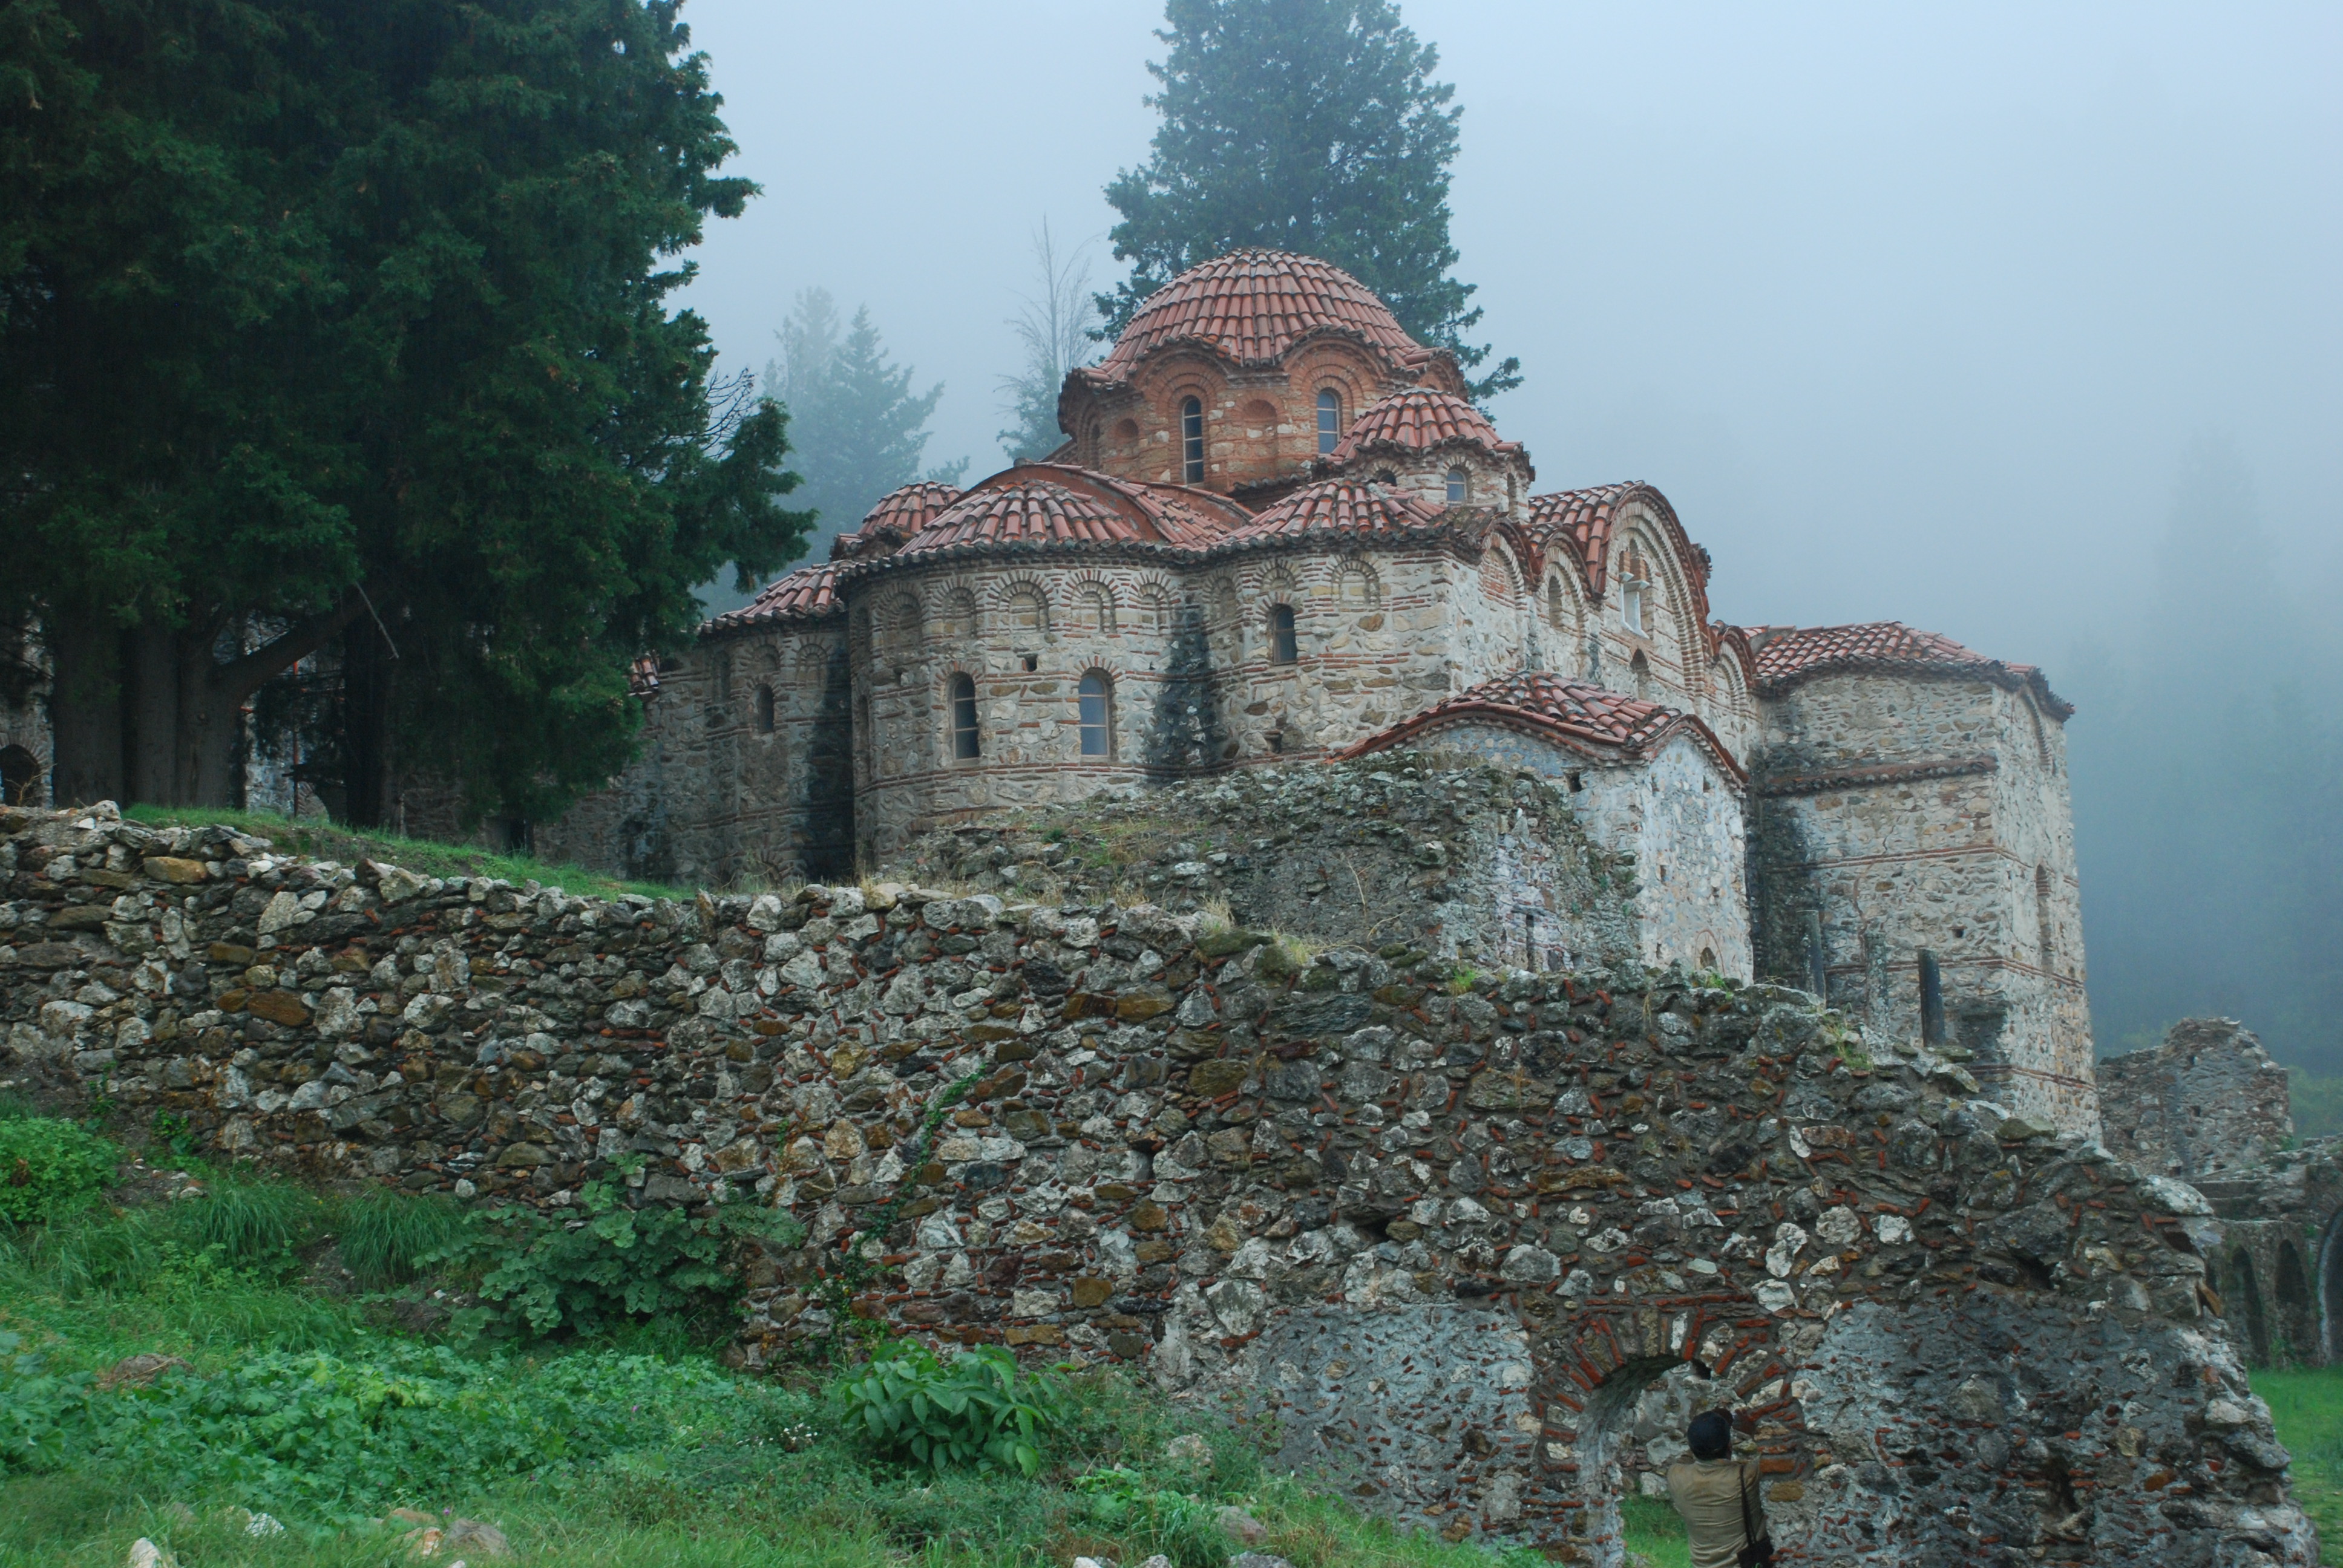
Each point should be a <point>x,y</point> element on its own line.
<point>241,676</point>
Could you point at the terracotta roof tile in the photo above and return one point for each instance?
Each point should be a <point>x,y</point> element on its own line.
<point>1042,503</point>
<point>909,508</point>
<point>1554,704</point>
<point>1251,305</point>
<point>1577,523</point>
<point>1787,657</point>
<point>1340,506</point>
<point>803,595</point>
<point>1420,418</point>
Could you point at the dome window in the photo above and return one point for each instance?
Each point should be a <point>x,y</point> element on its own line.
<point>1460,485</point>
<point>1329,421</point>
<point>764,710</point>
<point>1191,441</point>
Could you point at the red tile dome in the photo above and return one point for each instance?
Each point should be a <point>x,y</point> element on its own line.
<point>1251,305</point>
<point>1420,419</point>
<point>1339,507</point>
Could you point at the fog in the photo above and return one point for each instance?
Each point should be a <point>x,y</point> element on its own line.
<point>1913,313</point>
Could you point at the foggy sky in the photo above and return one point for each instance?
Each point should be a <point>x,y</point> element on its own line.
<point>1912,316</point>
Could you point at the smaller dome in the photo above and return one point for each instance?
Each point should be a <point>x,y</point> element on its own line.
<point>1419,419</point>
<point>900,514</point>
<point>1339,507</point>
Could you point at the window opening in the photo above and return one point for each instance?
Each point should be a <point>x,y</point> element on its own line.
<point>1032,662</point>
<point>963,717</point>
<point>1329,421</point>
<point>1191,441</point>
<point>1577,783</point>
<point>1459,486</point>
<point>1097,715</point>
<point>1283,646</point>
<point>764,710</point>
<point>2042,936</point>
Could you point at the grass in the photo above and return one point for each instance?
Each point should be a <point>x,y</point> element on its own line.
<point>325,840</point>
<point>710,1470</point>
<point>2306,1404</point>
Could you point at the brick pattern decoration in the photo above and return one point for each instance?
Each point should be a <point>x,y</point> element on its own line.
<point>1480,1218</point>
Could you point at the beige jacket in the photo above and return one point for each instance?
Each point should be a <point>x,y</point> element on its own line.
<point>1707,1493</point>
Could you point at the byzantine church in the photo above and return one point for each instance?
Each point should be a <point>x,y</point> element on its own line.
<point>1279,533</point>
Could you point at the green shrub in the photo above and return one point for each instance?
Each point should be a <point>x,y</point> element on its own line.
<point>1179,1524</point>
<point>389,1237</point>
<point>540,1276</point>
<point>976,1409</point>
<point>47,1165</point>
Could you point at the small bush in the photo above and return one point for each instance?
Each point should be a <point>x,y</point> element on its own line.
<point>977,1410</point>
<point>47,1166</point>
<point>38,1409</point>
<point>542,1276</point>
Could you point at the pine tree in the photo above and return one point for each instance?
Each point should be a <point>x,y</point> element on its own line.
<point>1309,125</point>
<point>857,430</point>
<point>331,323</point>
<point>1053,326</point>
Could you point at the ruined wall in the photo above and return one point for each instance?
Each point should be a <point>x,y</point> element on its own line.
<point>1453,1235</point>
<point>2206,1101</point>
<point>1914,814</point>
<point>1445,854</point>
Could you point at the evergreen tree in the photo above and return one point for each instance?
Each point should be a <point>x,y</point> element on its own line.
<point>1309,125</point>
<point>342,321</point>
<point>1053,327</point>
<point>856,427</point>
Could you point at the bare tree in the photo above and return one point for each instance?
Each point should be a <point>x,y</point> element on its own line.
<point>1053,326</point>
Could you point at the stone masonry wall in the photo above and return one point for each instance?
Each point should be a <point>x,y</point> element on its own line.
<point>1450,1231</point>
<point>1913,814</point>
<point>2205,1101</point>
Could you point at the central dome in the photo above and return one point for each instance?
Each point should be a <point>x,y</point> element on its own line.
<point>1251,305</point>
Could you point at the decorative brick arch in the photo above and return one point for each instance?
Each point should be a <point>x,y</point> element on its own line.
<point>1592,1367</point>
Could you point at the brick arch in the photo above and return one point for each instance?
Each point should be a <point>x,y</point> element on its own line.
<point>1593,1368</point>
<point>1013,601</point>
<point>1091,603</point>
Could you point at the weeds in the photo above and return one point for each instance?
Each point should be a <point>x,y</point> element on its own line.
<point>390,1238</point>
<point>47,1166</point>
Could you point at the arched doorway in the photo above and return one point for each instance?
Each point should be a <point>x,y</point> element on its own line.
<point>2248,1294</point>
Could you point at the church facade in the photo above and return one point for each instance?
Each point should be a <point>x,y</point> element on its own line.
<point>1277,533</point>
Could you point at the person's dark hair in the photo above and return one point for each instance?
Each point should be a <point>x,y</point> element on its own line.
<point>1710,1435</point>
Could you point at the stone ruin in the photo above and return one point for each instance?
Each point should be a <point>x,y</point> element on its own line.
<point>2209,1106</point>
<point>1461,1233</point>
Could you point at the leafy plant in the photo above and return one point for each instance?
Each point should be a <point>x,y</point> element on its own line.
<point>542,1276</point>
<point>977,1410</point>
<point>1124,1502</point>
<point>37,1408</point>
<point>176,1133</point>
<point>47,1165</point>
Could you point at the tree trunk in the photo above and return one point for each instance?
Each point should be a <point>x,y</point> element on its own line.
<point>85,707</point>
<point>368,679</point>
<point>151,714</point>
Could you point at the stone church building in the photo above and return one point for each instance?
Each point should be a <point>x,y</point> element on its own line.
<point>1277,532</point>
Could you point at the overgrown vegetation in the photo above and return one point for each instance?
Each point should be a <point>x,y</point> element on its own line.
<point>308,1393</point>
<point>325,840</point>
<point>47,1166</point>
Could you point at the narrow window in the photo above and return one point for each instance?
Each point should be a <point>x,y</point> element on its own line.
<point>1631,604</point>
<point>1283,647</point>
<point>764,710</point>
<point>1459,487</point>
<point>1098,714</point>
<point>2046,948</point>
<point>1191,441</point>
<point>1329,421</point>
<point>963,717</point>
<point>724,677</point>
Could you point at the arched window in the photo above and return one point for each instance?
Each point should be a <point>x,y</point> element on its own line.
<point>1557,608</point>
<point>764,710</point>
<point>1640,670</point>
<point>1097,715</point>
<point>1329,420</point>
<point>1191,441</point>
<point>1283,648</point>
<point>1460,484</point>
<point>964,745</point>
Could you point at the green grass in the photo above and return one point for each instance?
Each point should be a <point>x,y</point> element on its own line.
<point>327,841</point>
<point>591,1453</point>
<point>2306,1404</point>
<point>1653,1526</point>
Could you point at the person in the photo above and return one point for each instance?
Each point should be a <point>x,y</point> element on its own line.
<point>1717,1495</point>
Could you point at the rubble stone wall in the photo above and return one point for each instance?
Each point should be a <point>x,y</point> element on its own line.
<point>2206,1100</point>
<point>1346,1186</point>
